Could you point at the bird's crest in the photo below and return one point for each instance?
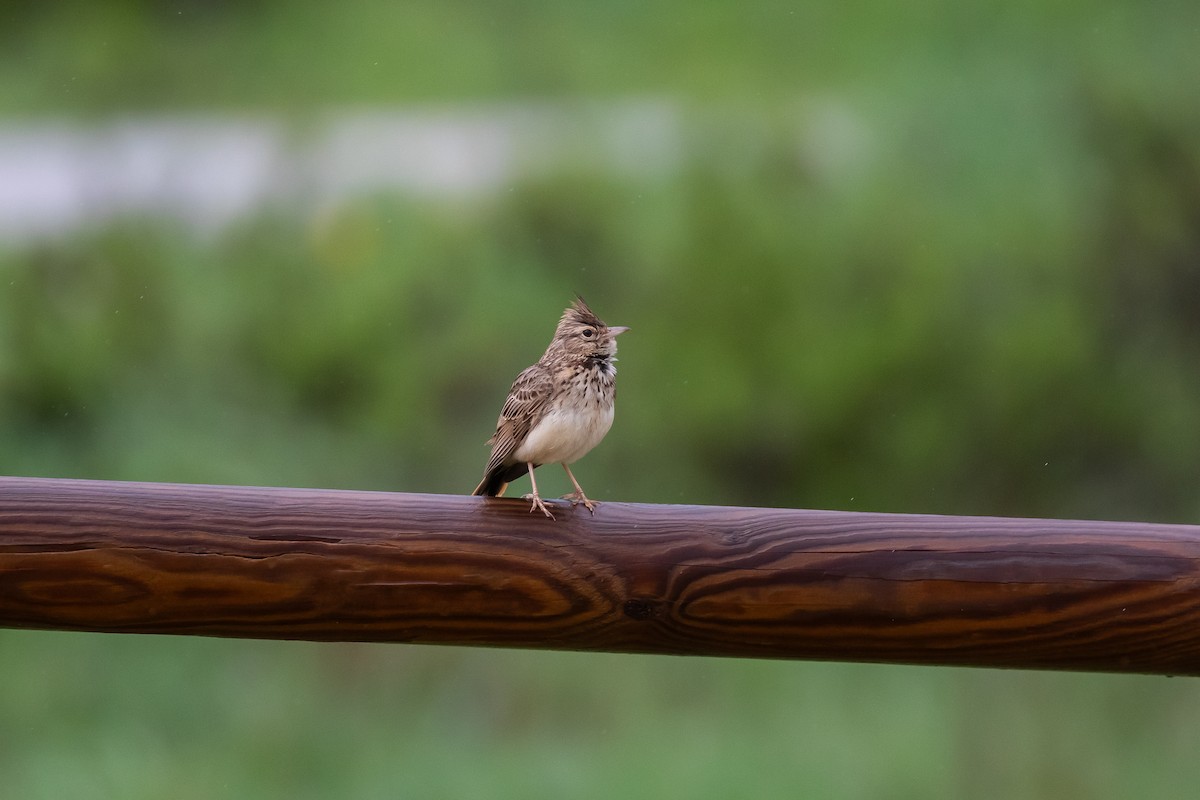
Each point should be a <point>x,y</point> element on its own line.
<point>578,313</point>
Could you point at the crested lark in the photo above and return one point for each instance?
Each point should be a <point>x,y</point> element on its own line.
<point>558,409</point>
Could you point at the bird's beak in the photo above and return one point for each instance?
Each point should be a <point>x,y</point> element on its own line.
<point>617,330</point>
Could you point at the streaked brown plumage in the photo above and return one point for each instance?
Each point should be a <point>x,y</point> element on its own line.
<point>559,408</point>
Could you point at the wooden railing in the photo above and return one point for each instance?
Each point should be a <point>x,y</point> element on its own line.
<point>695,580</point>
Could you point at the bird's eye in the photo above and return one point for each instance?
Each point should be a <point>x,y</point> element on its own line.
<point>587,333</point>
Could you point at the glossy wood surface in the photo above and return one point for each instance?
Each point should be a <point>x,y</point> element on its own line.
<point>700,580</point>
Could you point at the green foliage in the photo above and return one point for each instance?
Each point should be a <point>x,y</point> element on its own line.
<point>929,258</point>
<point>794,343</point>
<point>89,715</point>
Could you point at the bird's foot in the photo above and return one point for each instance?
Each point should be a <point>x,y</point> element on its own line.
<point>578,497</point>
<point>536,502</point>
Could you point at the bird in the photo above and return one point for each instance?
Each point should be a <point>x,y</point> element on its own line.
<point>557,409</point>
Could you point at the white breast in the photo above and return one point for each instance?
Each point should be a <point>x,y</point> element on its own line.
<point>565,435</point>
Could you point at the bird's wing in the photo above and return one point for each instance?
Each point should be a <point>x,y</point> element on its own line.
<point>526,403</point>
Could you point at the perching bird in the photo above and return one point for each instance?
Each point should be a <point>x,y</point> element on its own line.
<point>558,409</point>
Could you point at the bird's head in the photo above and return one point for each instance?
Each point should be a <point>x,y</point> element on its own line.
<point>583,335</point>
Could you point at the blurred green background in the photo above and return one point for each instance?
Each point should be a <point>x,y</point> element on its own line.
<point>929,257</point>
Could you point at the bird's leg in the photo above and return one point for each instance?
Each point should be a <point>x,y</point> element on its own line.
<point>534,496</point>
<point>578,496</point>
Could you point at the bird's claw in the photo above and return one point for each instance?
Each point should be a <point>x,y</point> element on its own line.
<point>536,502</point>
<point>579,497</point>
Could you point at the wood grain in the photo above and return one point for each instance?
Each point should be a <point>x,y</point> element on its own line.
<point>700,580</point>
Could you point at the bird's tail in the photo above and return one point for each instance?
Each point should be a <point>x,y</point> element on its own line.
<point>496,480</point>
<point>492,485</point>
